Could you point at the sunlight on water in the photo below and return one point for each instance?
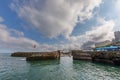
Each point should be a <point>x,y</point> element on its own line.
<point>66,67</point>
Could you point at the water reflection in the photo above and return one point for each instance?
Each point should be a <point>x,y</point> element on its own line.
<point>43,62</point>
<point>66,67</point>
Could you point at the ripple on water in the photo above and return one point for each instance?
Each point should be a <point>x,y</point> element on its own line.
<point>12,68</point>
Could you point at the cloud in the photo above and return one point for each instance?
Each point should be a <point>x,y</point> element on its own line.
<point>115,13</point>
<point>101,32</point>
<point>52,17</point>
<point>88,45</point>
<point>1,19</point>
<point>64,46</point>
<point>15,42</point>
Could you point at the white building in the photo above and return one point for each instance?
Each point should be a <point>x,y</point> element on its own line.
<point>117,36</point>
<point>104,43</point>
<point>116,41</point>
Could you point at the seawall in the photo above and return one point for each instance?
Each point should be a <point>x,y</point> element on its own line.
<point>112,57</point>
<point>31,56</point>
<point>44,56</point>
<point>23,54</point>
<point>81,55</point>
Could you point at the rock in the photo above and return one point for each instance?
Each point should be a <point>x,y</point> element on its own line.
<point>31,56</point>
<point>44,56</point>
<point>106,57</point>
<point>22,54</point>
<point>80,55</point>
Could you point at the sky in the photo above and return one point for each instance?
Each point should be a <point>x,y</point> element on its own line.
<point>56,24</point>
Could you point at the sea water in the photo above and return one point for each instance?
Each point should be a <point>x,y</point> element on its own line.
<point>17,68</point>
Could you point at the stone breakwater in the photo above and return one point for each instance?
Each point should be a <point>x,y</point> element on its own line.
<point>81,55</point>
<point>33,56</point>
<point>111,57</point>
<point>23,54</point>
<point>44,56</point>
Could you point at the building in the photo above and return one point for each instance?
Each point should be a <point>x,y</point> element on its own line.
<point>104,43</point>
<point>116,41</point>
<point>108,48</point>
<point>117,36</point>
<point>108,45</point>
